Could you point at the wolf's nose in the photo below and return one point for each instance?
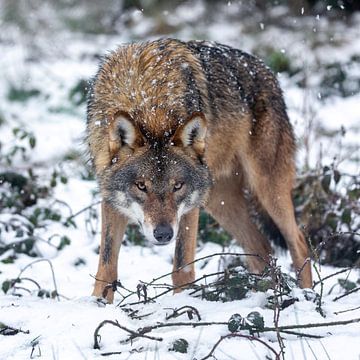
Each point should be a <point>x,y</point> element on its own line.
<point>163,233</point>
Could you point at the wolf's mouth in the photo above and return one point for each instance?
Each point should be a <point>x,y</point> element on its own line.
<point>162,244</point>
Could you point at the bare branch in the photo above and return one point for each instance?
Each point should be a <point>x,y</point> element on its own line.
<point>207,257</point>
<point>330,276</point>
<point>81,211</point>
<point>248,337</point>
<point>343,311</point>
<point>347,293</point>
<point>115,323</point>
<point>187,309</point>
<point>52,273</point>
<point>9,330</point>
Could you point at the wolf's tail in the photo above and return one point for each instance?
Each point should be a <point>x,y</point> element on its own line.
<point>270,230</point>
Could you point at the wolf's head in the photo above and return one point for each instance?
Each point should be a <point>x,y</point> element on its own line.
<point>154,181</point>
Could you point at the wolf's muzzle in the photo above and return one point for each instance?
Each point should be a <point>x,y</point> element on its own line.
<point>163,233</point>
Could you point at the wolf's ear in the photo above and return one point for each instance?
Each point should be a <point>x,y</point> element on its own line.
<point>192,133</point>
<point>122,132</point>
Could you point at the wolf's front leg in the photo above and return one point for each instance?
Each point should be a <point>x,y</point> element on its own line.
<point>112,232</point>
<point>185,250</point>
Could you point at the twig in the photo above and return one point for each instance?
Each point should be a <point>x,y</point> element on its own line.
<point>139,317</point>
<point>187,309</point>
<point>64,203</point>
<point>319,301</point>
<point>52,272</point>
<point>330,276</point>
<point>315,325</point>
<point>248,337</point>
<point>276,278</point>
<point>20,288</point>
<point>111,353</point>
<point>142,331</point>
<point>31,280</point>
<point>9,330</point>
<point>147,329</point>
<point>81,211</point>
<point>120,352</point>
<point>114,286</point>
<point>115,323</point>
<point>343,311</point>
<point>284,329</point>
<point>207,257</point>
<point>347,293</point>
<point>339,233</point>
<point>171,288</point>
<point>301,334</point>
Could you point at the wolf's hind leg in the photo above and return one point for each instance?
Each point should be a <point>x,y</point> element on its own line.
<point>228,206</point>
<point>275,197</point>
<point>272,182</point>
<point>185,250</point>
<point>112,232</point>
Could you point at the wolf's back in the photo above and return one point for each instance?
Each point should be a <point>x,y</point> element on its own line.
<point>236,81</point>
<point>161,83</point>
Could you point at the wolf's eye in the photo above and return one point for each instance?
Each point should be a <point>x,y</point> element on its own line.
<point>178,186</point>
<point>141,186</point>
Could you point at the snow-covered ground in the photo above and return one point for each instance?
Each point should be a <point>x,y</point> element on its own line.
<point>63,328</point>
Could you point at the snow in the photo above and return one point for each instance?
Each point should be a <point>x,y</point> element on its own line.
<point>64,328</point>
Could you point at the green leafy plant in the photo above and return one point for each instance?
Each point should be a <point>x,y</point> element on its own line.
<point>21,94</point>
<point>180,345</point>
<point>26,204</point>
<point>328,213</point>
<point>23,141</point>
<point>78,92</point>
<point>339,79</point>
<point>253,322</point>
<point>210,231</point>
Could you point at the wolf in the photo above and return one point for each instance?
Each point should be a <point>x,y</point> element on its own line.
<point>176,126</point>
